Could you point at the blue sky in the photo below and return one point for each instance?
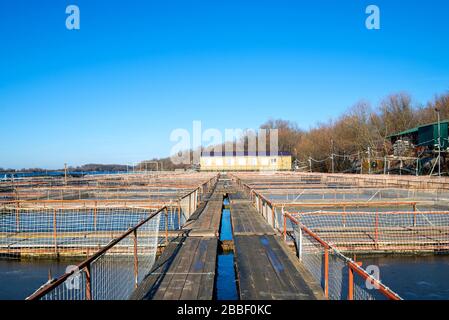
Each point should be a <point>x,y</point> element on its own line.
<point>113,91</point>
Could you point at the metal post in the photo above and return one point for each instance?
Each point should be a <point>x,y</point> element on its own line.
<point>166,226</point>
<point>376,232</point>
<point>88,283</point>
<point>65,173</point>
<point>414,214</point>
<point>439,144</point>
<point>285,225</point>
<point>299,244</point>
<point>350,283</point>
<point>179,214</point>
<point>95,216</point>
<point>361,162</point>
<point>136,260</point>
<point>369,160</point>
<point>326,273</point>
<point>332,157</point>
<point>54,232</point>
<point>417,166</point>
<point>190,206</point>
<point>17,220</point>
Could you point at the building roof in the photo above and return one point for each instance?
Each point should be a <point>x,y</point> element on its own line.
<point>416,129</point>
<point>243,154</point>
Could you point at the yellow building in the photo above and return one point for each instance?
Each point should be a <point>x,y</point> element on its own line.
<point>245,161</point>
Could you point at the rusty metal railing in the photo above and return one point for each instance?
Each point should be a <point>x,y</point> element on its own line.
<point>331,268</point>
<point>113,271</point>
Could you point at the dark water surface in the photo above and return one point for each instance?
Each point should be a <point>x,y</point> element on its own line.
<point>20,278</point>
<point>226,284</point>
<point>414,277</point>
<point>226,230</point>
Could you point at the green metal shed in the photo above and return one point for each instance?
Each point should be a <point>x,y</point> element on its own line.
<point>428,135</point>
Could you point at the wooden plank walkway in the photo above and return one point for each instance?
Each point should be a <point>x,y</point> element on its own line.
<point>267,272</point>
<point>208,222</point>
<point>246,221</point>
<point>266,268</point>
<point>185,271</point>
<point>186,268</point>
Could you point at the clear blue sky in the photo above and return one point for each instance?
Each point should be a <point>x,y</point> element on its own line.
<point>113,91</point>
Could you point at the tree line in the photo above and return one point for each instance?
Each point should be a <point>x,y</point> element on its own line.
<point>362,127</point>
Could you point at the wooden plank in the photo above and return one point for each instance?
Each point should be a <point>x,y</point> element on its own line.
<point>266,271</point>
<point>189,276</point>
<point>186,270</point>
<point>206,290</point>
<point>208,222</point>
<point>172,290</point>
<point>151,283</point>
<point>246,221</point>
<point>193,279</point>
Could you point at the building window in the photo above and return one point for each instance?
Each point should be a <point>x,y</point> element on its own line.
<point>219,162</point>
<point>242,162</point>
<point>274,161</point>
<point>208,162</point>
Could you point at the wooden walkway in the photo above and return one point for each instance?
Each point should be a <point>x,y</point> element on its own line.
<point>267,272</point>
<point>185,271</point>
<point>186,268</point>
<point>266,268</point>
<point>246,221</point>
<point>206,224</point>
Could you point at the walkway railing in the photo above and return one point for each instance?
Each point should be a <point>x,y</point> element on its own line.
<point>382,231</point>
<point>113,272</point>
<point>340,277</point>
<point>116,269</point>
<point>81,227</point>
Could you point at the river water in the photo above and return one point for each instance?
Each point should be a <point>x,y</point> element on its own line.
<point>414,277</point>
<point>20,278</point>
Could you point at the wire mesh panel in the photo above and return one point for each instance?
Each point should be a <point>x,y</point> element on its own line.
<point>278,218</point>
<point>64,230</point>
<point>364,289</point>
<point>338,277</point>
<point>115,273</point>
<point>269,215</point>
<point>186,208</point>
<point>381,231</point>
<point>334,272</point>
<point>74,288</point>
<point>311,254</point>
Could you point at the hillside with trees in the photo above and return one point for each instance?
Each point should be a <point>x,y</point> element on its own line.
<point>359,128</point>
